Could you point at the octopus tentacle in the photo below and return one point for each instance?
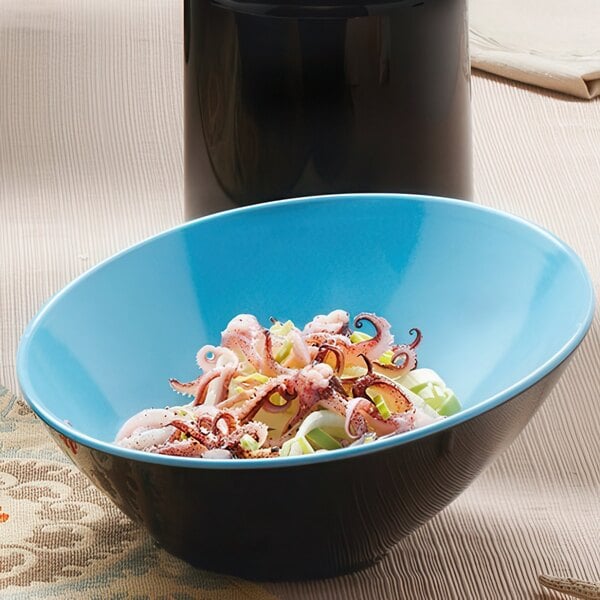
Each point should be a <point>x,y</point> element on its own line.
<point>319,338</point>
<point>338,386</point>
<point>197,388</point>
<point>190,448</point>
<point>259,431</point>
<point>363,416</point>
<point>209,357</point>
<point>393,392</point>
<point>418,337</point>
<point>312,385</point>
<point>240,452</point>
<point>326,349</point>
<point>334,402</point>
<point>189,388</point>
<point>336,322</point>
<point>228,419</point>
<point>408,354</point>
<point>373,348</point>
<point>356,424</point>
<point>393,369</point>
<point>300,356</point>
<point>382,341</point>
<point>203,388</point>
<point>241,335</point>
<point>270,367</point>
<point>219,388</point>
<point>284,391</point>
<point>193,432</point>
<point>261,394</point>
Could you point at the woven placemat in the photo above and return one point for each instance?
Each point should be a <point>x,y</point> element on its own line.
<point>61,538</point>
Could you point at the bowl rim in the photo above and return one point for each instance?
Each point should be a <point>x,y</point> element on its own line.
<point>466,414</point>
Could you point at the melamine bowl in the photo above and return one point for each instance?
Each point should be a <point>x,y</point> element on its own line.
<point>502,305</point>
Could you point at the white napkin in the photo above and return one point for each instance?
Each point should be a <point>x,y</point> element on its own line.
<point>553,44</point>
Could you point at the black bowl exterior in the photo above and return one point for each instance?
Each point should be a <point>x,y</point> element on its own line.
<point>306,521</point>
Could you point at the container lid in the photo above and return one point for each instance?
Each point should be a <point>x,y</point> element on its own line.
<point>315,8</point>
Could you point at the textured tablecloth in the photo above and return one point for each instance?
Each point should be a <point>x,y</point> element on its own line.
<point>91,162</point>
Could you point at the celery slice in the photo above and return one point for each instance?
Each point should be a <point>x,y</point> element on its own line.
<point>276,399</point>
<point>286,447</point>
<point>296,446</point>
<point>386,358</point>
<point>252,378</point>
<point>281,329</point>
<point>382,407</point>
<point>301,446</point>
<point>450,406</point>
<point>441,399</point>
<point>433,395</point>
<point>320,439</point>
<point>429,386</point>
<point>417,379</point>
<point>247,442</point>
<point>358,336</point>
<point>284,351</point>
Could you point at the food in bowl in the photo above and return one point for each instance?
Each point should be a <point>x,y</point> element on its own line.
<point>283,391</point>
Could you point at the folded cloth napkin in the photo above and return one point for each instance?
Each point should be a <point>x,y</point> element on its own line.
<point>60,538</point>
<point>553,44</point>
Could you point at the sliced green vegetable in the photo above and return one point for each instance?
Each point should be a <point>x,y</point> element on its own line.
<point>354,371</point>
<point>332,423</point>
<point>450,406</point>
<point>285,448</point>
<point>359,336</point>
<point>284,351</point>
<point>432,394</point>
<point>320,439</point>
<point>442,400</point>
<point>417,379</point>
<point>296,446</point>
<point>386,358</point>
<point>418,401</point>
<point>281,329</point>
<point>382,407</point>
<point>252,378</point>
<point>276,399</point>
<point>301,446</point>
<point>247,442</point>
<point>429,386</point>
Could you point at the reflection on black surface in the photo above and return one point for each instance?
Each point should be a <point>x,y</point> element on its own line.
<point>279,107</point>
<point>343,514</point>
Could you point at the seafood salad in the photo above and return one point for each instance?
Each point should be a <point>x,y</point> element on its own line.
<point>284,391</point>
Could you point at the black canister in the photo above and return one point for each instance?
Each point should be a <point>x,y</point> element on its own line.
<point>295,98</point>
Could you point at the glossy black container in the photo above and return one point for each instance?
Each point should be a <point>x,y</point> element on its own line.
<point>293,99</point>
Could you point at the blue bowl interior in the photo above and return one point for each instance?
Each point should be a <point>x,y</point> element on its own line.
<point>500,301</point>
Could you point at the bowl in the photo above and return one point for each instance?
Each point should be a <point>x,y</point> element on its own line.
<point>502,305</point>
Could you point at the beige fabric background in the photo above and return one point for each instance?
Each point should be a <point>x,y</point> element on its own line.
<point>91,162</point>
<point>549,43</point>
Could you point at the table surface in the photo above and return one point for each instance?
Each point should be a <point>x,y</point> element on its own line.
<point>91,162</point>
